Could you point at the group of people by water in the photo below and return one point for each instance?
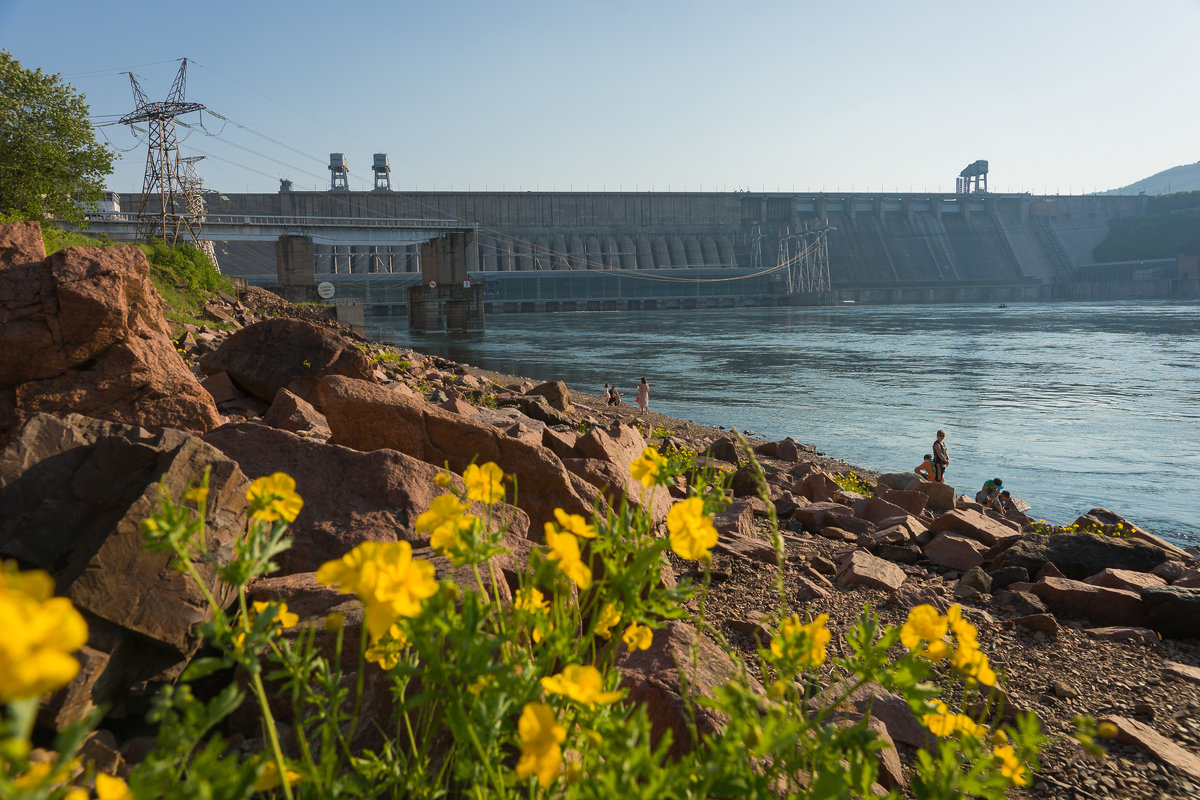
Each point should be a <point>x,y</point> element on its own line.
<point>643,395</point>
<point>993,494</point>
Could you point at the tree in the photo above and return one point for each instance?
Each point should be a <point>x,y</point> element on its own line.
<point>49,157</point>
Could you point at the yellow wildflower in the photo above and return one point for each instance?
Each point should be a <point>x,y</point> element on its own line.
<point>649,468</point>
<point>564,550</point>
<point>637,637</point>
<point>1011,766</point>
<point>573,524</point>
<point>1106,730</point>
<point>484,483</point>
<point>274,497</point>
<point>531,600</point>
<point>541,736</point>
<point>268,779</point>
<point>944,722</point>
<point>41,632</point>
<point>197,495</point>
<point>386,578</point>
<point>443,510</point>
<point>583,684</point>
<point>609,617</point>
<point>385,651</point>
<point>692,533</point>
<point>800,644</point>
<point>443,480</point>
<point>283,618</point>
<point>969,661</point>
<point>112,788</point>
<point>924,631</point>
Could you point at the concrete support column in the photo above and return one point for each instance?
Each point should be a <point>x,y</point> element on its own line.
<point>295,267</point>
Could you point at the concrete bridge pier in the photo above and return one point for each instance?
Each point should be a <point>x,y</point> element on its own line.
<point>446,300</point>
<point>295,266</point>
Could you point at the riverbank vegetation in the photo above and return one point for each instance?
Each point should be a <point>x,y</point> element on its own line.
<point>517,698</point>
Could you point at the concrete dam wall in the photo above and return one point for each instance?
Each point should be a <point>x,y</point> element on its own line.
<point>875,241</point>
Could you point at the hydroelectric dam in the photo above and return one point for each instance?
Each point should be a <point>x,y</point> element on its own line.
<point>562,251</point>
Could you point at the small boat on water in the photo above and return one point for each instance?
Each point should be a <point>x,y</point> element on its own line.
<point>1002,305</point>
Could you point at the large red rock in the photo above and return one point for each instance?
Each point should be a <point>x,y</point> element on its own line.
<point>617,484</point>
<point>955,551</point>
<point>912,502</point>
<point>620,445</point>
<point>978,526</point>
<point>286,353</point>
<point>290,412</point>
<point>83,331</point>
<point>861,568</point>
<point>1076,599</point>
<point>1145,738</point>
<point>349,496</point>
<point>72,494</point>
<point>1125,579</point>
<point>654,678</point>
<point>368,417</point>
<point>941,495</point>
<point>556,394</point>
<point>877,509</point>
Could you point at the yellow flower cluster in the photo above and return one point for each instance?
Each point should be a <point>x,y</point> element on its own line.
<point>40,633</point>
<point>582,683</point>
<point>637,637</point>
<point>446,521</point>
<point>692,532</point>
<point>563,541</point>
<point>484,482</point>
<point>801,644</point>
<point>385,577</point>
<point>1011,766</point>
<point>923,634</point>
<point>610,615</point>
<point>532,601</point>
<point>541,737</point>
<point>650,468</point>
<point>944,722</point>
<point>273,497</point>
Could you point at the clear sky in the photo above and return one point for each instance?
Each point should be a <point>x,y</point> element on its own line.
<point>1059,95</point>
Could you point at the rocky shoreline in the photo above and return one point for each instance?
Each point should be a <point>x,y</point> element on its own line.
<point>100,402</point>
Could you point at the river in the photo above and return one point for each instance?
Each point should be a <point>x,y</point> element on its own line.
<point>1074,405</point>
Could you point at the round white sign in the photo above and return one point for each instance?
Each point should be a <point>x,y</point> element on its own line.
<point>325,290</point>
<point>433,284</point>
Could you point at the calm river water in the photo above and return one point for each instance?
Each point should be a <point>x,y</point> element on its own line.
<point>1073,405</point>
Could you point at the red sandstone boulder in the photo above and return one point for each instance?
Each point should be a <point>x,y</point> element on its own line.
<point>286,353</point>
<point>83,331</point>
<point>556,394</point>
<point>941,495</point>
<point>617,484</point>
<point>955,551</point>
<point>560,443</point>
<point>877,509</point>
<point>978,526</point>
<point>349,496</point>
<point>290,412</point>
<point>911,501</point>
<point>620,445</point>
<point>72,494</point>
<point>368,417</point>
<point>653,679</point>
<point>1076,599</point>
<point>1125,579</point>
<point>861,568</point>
<point>1142,736</point>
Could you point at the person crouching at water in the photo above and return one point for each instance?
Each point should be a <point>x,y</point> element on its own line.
<point>614,397</point>
<point>989,495</point>
<point>927,468</point>
<point>643,396</point>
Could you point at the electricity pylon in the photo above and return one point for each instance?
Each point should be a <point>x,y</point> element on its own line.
<point>163,166</point>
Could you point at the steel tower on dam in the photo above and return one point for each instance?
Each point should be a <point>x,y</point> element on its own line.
<point>887,247</point>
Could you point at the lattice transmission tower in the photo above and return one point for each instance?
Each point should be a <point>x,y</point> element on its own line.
<point>166,174</point>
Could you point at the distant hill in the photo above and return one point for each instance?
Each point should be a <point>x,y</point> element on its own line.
<point>1185,178</point>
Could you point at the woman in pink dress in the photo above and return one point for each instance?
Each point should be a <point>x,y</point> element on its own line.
<point>643,396</point>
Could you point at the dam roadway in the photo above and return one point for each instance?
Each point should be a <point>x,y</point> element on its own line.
<point>888,247</point>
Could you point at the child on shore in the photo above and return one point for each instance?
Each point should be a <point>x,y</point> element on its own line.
<point>927,470</point>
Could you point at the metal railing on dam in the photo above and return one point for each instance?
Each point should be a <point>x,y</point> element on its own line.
<point>262,227</point>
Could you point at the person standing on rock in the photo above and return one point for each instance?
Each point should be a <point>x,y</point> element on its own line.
<point>941,459</point>
<point>643,396</point>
